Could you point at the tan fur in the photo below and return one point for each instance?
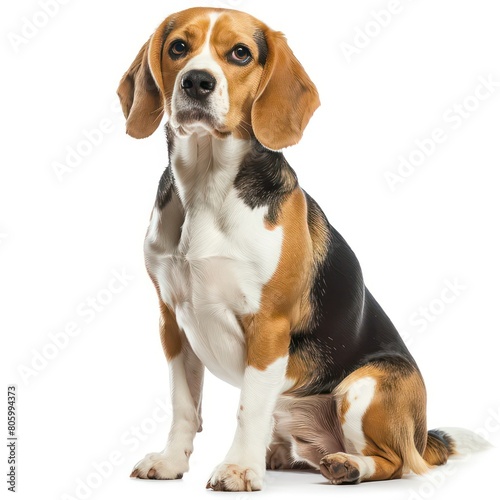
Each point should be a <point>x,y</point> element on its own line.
<point>139,97</point>
<point>436,452</point>
<point>243,81</point>
<point>394,424</point>
<point>319,232</point>
<point>286,98</point>
<point>283,303</point>
<point>343,408</point>
<point>170,335</point>
<point>193,29</point>
<point>299,370</point>
<point>275,102</point>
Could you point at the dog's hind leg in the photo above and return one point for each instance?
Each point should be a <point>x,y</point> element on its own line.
<point>382,412</point>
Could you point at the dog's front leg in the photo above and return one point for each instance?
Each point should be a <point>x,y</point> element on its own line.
<point>186,380</point>
<point>244,466</point>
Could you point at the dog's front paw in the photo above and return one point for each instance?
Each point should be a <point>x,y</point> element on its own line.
<point>159,466</point>
<point>231,477</point>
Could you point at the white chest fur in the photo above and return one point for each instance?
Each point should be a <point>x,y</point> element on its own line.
<point>210,253</point>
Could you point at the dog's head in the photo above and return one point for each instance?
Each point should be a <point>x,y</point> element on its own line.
<point>221,72</point>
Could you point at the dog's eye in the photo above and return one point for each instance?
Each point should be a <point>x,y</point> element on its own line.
<point>177,49</point>
<point>240,55</point>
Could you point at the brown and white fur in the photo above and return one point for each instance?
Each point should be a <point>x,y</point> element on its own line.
<point>253,282</point>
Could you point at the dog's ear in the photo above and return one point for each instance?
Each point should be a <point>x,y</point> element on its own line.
<point>141,87</point>
<point>286,97</point>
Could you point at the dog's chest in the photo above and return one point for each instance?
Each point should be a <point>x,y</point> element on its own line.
<point>210,264</point>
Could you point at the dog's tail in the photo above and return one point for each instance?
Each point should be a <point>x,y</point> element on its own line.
<point>452,441</point>
<point>441,444</point>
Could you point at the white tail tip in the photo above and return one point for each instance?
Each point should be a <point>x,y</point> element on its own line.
<point>466,441</point>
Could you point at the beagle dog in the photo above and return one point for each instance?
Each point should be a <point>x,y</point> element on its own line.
<point>253,282</point>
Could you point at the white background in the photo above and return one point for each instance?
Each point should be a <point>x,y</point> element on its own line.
<point>62,239</point>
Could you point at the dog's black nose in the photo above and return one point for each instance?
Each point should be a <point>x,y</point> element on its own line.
<point>198,84</point>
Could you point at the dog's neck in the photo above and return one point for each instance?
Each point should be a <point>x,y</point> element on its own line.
<point>203,170</point>
<point>204,167</point>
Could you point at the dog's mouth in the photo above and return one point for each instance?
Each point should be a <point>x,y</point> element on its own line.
<point>195,118</point>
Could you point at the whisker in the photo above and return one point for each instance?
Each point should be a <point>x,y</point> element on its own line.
<point>241,127</point>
